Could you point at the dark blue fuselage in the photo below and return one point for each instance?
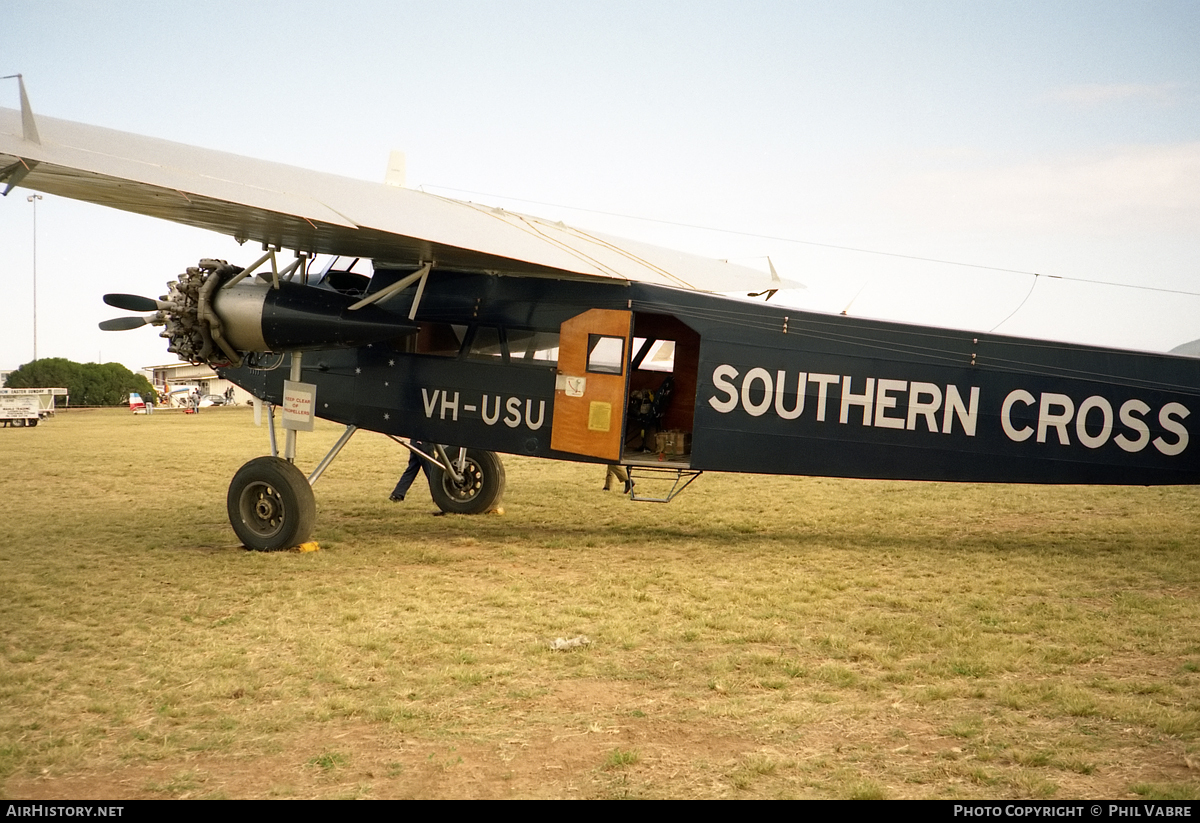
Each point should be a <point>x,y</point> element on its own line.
<point>757,388</point>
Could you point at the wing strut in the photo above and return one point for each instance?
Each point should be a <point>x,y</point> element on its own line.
<point>276,274</point>
<point>400,285</point>
<point>28,124</point>
<point>15,173</point>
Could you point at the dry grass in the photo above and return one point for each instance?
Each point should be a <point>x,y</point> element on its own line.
<point>759,637</point>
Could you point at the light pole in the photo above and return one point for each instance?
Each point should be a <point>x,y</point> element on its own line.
<point>33,198</point>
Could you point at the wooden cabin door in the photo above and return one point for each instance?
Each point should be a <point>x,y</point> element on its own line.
<point>590,391</point>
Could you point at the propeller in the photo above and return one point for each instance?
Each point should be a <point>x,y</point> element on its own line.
<point>126,323</point>
<point>134,302</point>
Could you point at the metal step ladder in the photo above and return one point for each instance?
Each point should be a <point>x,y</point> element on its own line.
<point>680,479</point>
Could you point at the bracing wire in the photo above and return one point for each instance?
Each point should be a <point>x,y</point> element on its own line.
<point>856,249</point>
<point>1028,294</point>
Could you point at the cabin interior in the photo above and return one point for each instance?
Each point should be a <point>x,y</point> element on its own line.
<point>664,364</point>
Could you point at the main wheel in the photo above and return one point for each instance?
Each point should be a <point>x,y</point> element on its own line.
<point>271,505</point>
<point>480,490</point>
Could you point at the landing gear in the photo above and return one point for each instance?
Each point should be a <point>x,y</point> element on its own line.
<point>271,505</point>
<point>480,489</point>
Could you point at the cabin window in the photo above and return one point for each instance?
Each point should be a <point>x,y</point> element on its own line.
<point>527,346</point>
<point>441,339</point>
<point>606,354</point>
<point>485,343</point>
<point>654,355</point>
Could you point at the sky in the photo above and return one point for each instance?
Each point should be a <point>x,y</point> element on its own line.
<point>1030,168</point>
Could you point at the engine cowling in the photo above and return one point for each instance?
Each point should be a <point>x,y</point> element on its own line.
<point>208,322</point>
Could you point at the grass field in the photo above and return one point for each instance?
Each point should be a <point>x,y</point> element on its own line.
<point>760,637</point>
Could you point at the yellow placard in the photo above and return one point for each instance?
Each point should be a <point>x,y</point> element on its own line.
<point>599,416</point>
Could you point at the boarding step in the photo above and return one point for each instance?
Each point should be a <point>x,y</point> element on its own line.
<point>656,477</point>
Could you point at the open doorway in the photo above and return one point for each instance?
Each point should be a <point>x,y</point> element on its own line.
<point>664,364</point>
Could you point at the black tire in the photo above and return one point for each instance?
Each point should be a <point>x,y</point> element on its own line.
<point>481,489</point>
<point>270,504</point>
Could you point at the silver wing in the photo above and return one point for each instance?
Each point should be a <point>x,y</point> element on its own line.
<point>316,212</point>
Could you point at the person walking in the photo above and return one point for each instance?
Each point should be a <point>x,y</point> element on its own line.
<point>620,474</point>
<point>416,465</point>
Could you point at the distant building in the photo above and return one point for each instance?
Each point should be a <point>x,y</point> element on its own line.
<point>175,377</point>
<point>4,377</point>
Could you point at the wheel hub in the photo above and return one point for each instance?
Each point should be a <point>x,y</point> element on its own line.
<point>264,505</point>
<point>471,483</point>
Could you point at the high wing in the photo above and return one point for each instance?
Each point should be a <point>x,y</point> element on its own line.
<point>315,212</point>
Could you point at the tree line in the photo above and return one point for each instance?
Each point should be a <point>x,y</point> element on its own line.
<point>87,384</point>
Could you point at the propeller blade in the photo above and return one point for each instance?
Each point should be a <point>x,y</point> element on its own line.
<point>132,302</point>
<point>124,323</point>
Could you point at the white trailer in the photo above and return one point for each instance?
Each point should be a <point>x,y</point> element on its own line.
<point>25,407</point>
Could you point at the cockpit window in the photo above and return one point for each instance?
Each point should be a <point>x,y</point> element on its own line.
<point>349,275</point>
<point>358,265</point>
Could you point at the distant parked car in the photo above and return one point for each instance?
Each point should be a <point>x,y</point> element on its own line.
<point>213,400</point>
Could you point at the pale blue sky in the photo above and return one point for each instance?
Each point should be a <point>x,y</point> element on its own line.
<point>1062,138</point>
